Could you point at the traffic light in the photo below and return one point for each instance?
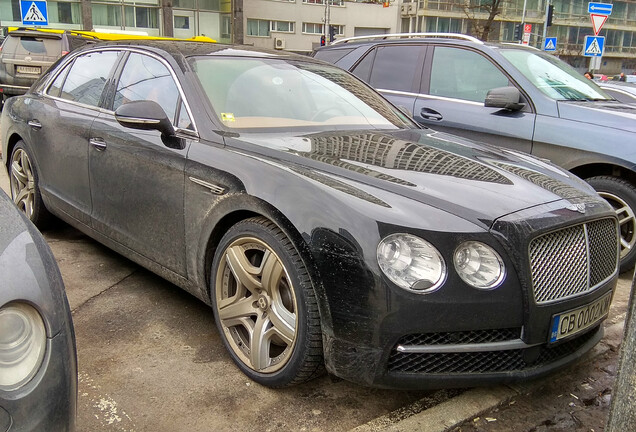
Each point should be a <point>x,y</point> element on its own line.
<point>548,21</point>
<point>518,31</point>
<point>332,33</point>
<point>322,40</point>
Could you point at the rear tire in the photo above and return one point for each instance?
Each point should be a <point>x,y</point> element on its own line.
<point>621,195</point>
<point>25,189</point>
<point>265,305</point>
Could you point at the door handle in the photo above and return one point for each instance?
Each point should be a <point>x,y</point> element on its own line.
<point>35,124</point>
<point>430,114</point>
<point>98,143</point>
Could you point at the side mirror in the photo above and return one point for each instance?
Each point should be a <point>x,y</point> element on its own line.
<point>145,115</point>
<point>504,97</point>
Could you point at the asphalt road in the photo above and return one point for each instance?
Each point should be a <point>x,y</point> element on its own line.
<point>150,359</point>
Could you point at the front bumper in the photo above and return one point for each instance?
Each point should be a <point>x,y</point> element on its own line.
<point>460,336</point>
<point>454,369</point>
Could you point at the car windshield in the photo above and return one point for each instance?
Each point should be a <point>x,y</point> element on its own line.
<point>554,77</point>
<point>263,93</point>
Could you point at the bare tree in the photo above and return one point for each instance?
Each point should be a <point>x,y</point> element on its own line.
<point>481,15</point>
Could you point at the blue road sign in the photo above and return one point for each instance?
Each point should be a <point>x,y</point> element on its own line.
<point>34,12</point>
<point>594,46</point>
<point>550,44</point>
<point>599,8</point>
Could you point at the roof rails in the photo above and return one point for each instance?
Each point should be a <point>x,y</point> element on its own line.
<point>407,35</point>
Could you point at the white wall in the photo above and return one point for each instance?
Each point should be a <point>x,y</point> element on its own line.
<point>352,16</point>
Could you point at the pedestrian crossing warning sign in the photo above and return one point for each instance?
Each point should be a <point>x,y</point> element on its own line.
<point>34,12</point>
<point>550,44</point>
<point>594,46</point>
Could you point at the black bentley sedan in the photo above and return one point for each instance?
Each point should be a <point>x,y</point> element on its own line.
<point>323,226</point>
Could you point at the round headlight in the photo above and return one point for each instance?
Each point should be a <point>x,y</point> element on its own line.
<point>479,265</point>
<point>411,263</point>
<point>22,345</point>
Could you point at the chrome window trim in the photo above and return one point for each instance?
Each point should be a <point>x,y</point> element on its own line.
<point>71,58</point>
<point>428,96</point>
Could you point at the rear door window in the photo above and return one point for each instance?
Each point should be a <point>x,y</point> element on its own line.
<point>463,74</point>
<point>87,78</point>
<point>397,67</point>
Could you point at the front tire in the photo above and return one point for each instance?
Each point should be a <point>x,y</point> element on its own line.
<point>265,306</point>
<point>25,189</point>
<point>621,195</point>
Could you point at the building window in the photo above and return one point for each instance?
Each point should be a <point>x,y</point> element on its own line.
<point>313,28</point>
<point>322,2</point>
<point>282,26</point>
<point>184,4</point>
<point>142,17</point>
<point>258,27</point>
<point>181,22</point>
<point>214,5</point>
<point>106,15</point>
<point>226,26</point>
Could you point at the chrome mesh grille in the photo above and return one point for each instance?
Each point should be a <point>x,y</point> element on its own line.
<point>573,260</point>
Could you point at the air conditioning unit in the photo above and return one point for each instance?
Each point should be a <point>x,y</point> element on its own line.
<point>407,8</point>
<point>279,43</point>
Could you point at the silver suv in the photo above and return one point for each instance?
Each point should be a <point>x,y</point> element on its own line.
<point>509,95</point>
<point>26,53</point>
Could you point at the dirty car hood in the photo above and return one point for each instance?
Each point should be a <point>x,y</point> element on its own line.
<point>476,182</point>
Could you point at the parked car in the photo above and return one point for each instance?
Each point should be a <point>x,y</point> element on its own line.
<point>38,363</point>
<point>624,92</point>
<point>26,53</point>
<point>323,226</point>
<point>510,95</point>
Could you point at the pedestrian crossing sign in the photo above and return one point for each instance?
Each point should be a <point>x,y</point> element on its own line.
<point>34,12</point>
<point>594,46</point>
<point>550,44</point>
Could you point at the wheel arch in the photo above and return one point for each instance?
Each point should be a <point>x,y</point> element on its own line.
<point>236,208</point>
<point>605,169</point>
<point>12,140</point>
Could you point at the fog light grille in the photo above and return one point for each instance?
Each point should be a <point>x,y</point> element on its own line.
<point>485,361</point>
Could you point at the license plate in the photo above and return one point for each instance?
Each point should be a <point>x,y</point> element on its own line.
<point>572,322</point>
<point>29,70</point>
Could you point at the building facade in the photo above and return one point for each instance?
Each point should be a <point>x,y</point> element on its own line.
<point>571,23</point>
<point>294,25</point>
<point>297,25</point>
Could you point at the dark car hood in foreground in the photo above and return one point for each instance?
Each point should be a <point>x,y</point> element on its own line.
<point>604,114</point>
<point>475,182</point>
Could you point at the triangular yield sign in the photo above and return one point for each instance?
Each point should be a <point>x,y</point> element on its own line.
<point>597,22</point>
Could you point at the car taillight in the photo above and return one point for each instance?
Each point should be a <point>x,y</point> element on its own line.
<point>64,53</point>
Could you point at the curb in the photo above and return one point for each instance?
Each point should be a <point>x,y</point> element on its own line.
<point>474,402</point>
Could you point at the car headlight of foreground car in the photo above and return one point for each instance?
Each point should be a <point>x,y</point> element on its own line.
<point>416,265</point>
<point>22,344</point>
<point>411,263</point>
<point>479,265</point>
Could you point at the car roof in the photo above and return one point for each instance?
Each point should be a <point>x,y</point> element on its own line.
<point>413,38</point>
<point>181,49</point>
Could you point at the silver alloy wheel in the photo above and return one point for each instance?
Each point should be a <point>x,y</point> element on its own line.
<point>22,182</point>
<point>256,305</point>
<point>626,220</point>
